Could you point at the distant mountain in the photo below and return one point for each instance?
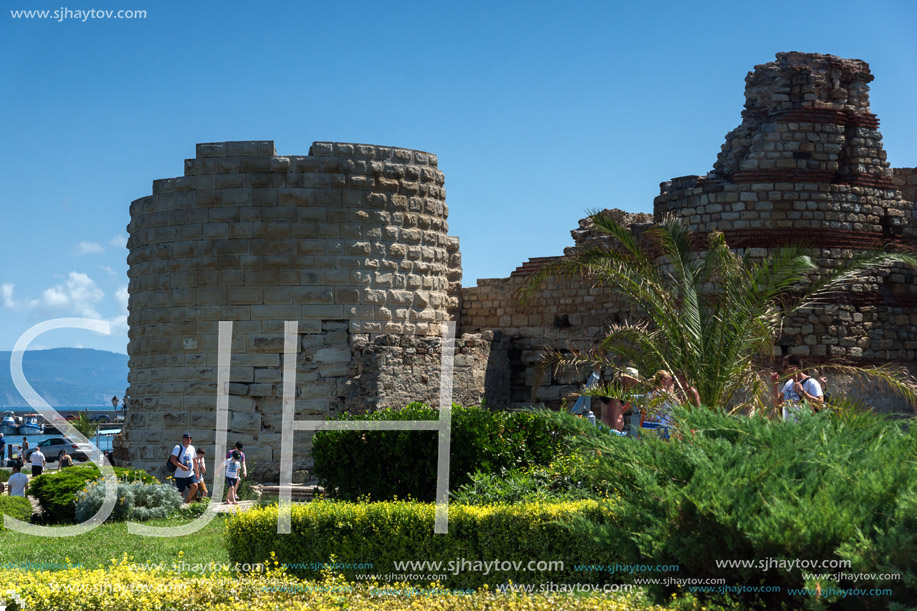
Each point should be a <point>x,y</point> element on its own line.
<point>67,377</point>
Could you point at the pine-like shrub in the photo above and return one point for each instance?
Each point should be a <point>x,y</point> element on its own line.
<point>388,532</point>
<point>56,492</point>
<point>828,488</point>
<point>402,464</point>
<point>16,507</point>
<point>569,477</point>
<point>136,501</point>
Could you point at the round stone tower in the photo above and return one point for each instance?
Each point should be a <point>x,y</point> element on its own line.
<point>350,241</point>
<point>807,167</point>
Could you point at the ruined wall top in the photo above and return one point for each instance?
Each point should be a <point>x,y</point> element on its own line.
<point>829,97</point>
<point>807,80</point>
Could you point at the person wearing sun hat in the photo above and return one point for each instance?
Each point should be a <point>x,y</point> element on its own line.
<point>186,471</point>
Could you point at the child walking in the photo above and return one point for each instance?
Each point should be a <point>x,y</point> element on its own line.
<point>232,476</point>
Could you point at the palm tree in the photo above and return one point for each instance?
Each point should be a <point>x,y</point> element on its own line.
<point>710,314</point>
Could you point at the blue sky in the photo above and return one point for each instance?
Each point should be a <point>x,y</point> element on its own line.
<point>538,111</point>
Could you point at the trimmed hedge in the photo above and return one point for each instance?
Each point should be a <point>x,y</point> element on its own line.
<point>16,507</point>
<point>388,532</point>
<point>402,464</point>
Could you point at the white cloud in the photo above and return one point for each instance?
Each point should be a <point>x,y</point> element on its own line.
<point>89,248</point>
<point>79,294</point>
<point>108,269</point>
<point>119,323</point>
<point>6,290</point>
<point>9,300</point>
<point>121,296</point>
<point>119,241</point>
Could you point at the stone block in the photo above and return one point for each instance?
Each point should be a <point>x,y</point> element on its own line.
<point>248,422</point>
<point>332,355</point>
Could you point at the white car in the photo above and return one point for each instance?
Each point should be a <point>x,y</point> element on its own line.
<point>54,447</point>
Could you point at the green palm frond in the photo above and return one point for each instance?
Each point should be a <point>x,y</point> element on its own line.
<point>710,314</point>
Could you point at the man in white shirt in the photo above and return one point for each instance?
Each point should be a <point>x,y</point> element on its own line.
<point>797,391</point>
<point>18,481</point>
<point>186,471</point>
<point>38,462</point>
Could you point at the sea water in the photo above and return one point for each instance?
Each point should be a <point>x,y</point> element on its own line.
<point>103,440</point>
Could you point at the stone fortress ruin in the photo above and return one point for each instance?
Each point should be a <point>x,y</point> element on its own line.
<point>352,242</point>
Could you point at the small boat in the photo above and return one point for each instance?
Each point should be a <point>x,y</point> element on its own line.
<point>8,425</point>
<point>31,424</point>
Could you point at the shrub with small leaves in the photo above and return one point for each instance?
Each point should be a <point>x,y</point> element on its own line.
<point>135,501</point>
<point>16,507</point>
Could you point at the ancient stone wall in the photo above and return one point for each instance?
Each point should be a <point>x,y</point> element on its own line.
<point>350,241</point>
<point>806,166</point>
<point>563,314</point>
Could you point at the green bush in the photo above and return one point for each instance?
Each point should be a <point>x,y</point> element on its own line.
<point>569,477</point>
<point>738,488</point>
<point>402,464</point>
<point>16,507</point>
<point>122,588</point>
<point>194,510</point>
<point>388,532</point>
<point>56,492</point>
<point>135,501</point>
<point>4,476</point>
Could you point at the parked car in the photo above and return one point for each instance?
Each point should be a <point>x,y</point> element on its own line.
<point>101,418</point>
<point>54,447</point>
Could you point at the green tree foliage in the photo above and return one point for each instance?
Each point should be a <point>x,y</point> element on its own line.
<point>402,464</point>
<point>84,425</point>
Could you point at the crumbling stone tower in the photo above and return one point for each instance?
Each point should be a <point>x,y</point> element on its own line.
<point>807,166</point>
<point>351,241</point>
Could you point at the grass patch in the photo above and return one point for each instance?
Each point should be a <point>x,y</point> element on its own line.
<point>111,541</point>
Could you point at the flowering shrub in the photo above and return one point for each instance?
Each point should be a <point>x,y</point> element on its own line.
<point>136,501</point>
<point>123,587</point>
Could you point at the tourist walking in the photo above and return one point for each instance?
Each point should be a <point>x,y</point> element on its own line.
<point>23,449</point>
<point>186,474</point>
<point>18,481</point>
<point>202,491</point>
<point>233,464</point>
<point>64,460</point>
<point>800,393</point>
<point>38,462</point>
<point>244,470</point>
